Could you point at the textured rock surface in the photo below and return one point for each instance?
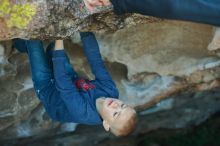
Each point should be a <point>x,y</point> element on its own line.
<point>61,18</point>
<point>161,58</point>
<point>162,68</point>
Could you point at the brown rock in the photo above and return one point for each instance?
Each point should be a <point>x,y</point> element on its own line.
<point>57,19</point>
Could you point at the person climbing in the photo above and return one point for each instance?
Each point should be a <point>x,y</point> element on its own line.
<point>70,98</point>
<point>201,11</point>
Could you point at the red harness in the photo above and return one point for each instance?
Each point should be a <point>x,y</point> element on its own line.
<point>84,84</point>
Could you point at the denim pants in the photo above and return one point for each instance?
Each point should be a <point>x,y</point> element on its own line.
<point>41,66</point>
<point>202,11</point>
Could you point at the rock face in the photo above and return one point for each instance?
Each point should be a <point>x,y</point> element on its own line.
<point>162,68</point>
<point>57,19</point>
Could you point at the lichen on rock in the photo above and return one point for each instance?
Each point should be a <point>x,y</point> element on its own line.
<point>18,15</point>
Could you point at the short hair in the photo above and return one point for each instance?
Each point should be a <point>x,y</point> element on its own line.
<point>127,127</point>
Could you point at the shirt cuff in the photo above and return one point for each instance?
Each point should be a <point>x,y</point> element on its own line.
<point>59,53</point>
<point>86,34</point>
<point>119,6</point>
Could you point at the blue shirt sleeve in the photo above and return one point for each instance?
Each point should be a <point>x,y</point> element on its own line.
<point>74,102</point>
<point>102,76</point>
<point>203,11</point>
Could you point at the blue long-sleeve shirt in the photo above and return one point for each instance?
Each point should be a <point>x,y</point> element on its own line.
<point>70,104</point>
<point>202,11</point>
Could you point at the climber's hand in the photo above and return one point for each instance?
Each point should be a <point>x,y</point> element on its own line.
<point>105,2</point>
<point>215,43</point>
<point>91,4</point>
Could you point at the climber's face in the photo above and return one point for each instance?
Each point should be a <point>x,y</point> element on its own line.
<point>113,111</point>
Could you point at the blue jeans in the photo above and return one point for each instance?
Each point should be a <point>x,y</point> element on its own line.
<point>41,64</point>
<point>202,11</point>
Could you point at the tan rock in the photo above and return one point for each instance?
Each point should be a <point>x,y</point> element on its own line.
<point>215,43</point>
<point>166,48</point>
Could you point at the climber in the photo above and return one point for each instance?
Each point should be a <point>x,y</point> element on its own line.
<point>69,98</point>
<point>202,11</point>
